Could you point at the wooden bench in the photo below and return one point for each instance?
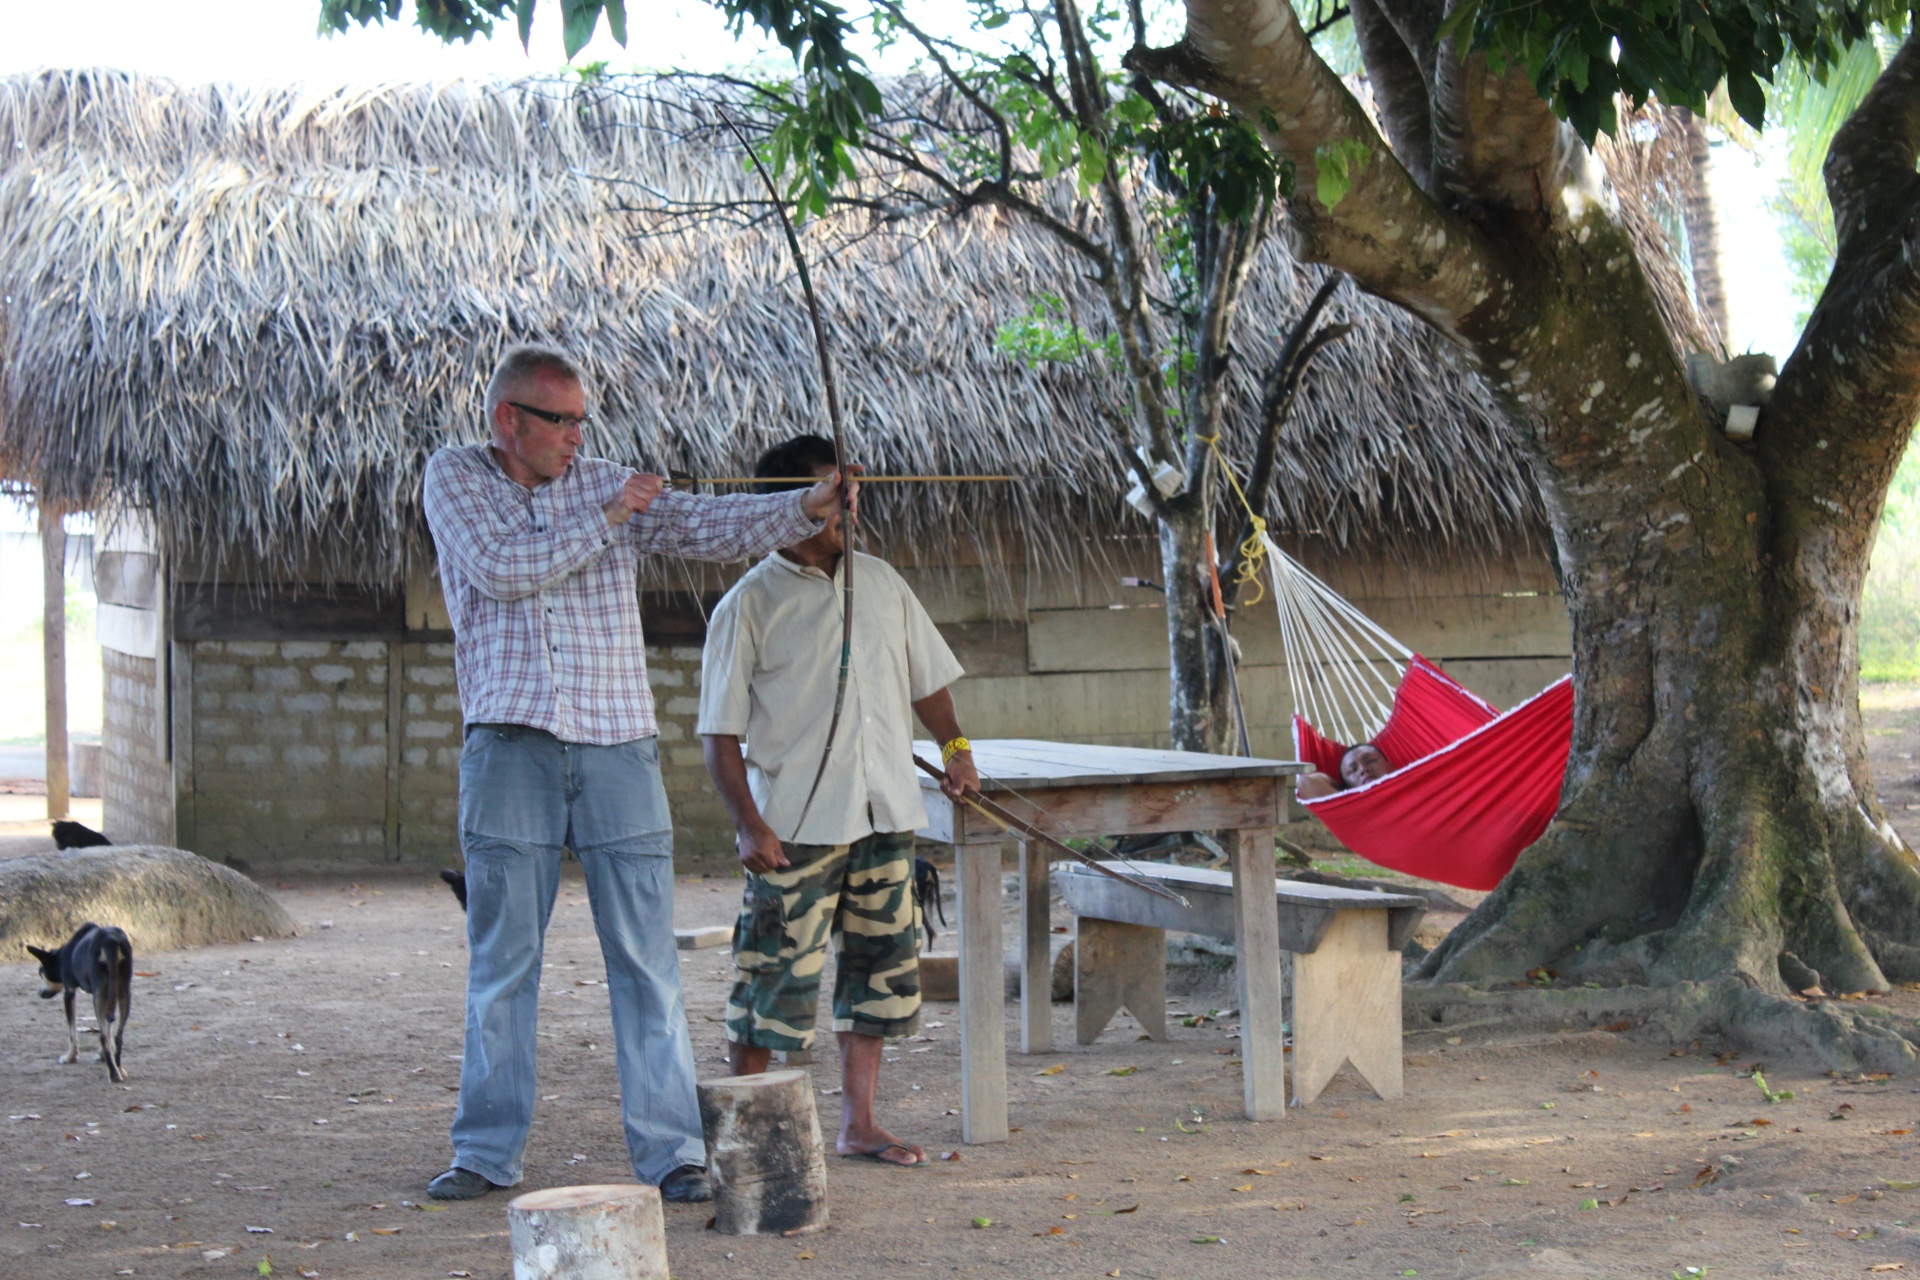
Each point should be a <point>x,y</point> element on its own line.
<point>1346,946</point>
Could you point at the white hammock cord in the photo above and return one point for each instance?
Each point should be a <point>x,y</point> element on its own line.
<point>1333,653</point>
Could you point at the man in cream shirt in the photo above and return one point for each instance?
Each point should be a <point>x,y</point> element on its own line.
<point>768,675</point>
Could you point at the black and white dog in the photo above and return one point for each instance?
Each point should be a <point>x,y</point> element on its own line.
<point>98,961</point>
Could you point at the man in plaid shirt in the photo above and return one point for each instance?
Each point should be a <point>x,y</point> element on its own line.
<point>539,554</point>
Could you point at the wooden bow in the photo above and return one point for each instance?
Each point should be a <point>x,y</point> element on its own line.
<point>848,524</point>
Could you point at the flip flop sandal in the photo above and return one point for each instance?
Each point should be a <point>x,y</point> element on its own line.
<point>879,1156</point>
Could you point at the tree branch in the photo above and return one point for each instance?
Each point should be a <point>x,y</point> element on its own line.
<point>1874,152</point>
<point>1399,88</point>
<point>1387,233</point>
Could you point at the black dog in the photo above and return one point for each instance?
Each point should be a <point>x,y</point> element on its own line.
<point>926,891</point>
<point>456,881</point>
<point>98,961</point>
<point>68,834</point>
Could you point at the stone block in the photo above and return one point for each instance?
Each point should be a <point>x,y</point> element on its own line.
<point>432,676</point>
<point>251,649</point>
<point>248,703</point>
<point>307,703</point>
<point>248,756</point>
<point>447,702</point>
<point>305,650</point>
<point>331,672</point>
<point>416,705</point>
<point>215,675</point>
<point>429,729</point>
<point>416,757</point>
<point>364,650</point>
<point>306,756</point>
<point>281,679</point>
<point>374,757</point>
<point>205,700</point>
<point>361,704</point>
<point>682,706</point>
<point>666,678</point>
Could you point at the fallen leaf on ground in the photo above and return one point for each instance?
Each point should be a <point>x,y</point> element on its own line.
<point>1052,1231</point>
<point>1892,1133</point>
<point>1206,1239</point>
<point>1248,1187</point>
<point>805,1255</point>
<point>386,1231</point>
<point>1846,1199</point>
<point>950,1156</point>
<point>1268,1173</point>
<point>1132,1208</point>
<point>1120,1071</point>
<point>1053,1070</point>
<point>1888,1266</point>
<point>983,1222</point>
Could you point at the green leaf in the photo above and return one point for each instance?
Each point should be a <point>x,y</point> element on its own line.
<point>1093,162</point>
<point>617,21</point>
<point>1334,165</point>
<point>523,15</point>
<point>581,16</point>
<point>266,1266</point>
<point>1206,1239</point>
<point>995,21</point>
<point>1589,1203</point>
<point>982,1222</point>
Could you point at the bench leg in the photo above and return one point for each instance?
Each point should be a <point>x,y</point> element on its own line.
<point>1036,950</point>
<point>1346,1008</point>
<point>1118,964</point>
<point>1256,936</point>
<point>983,996</point>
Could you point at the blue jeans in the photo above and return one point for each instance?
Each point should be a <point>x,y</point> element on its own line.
<point>523,795</point>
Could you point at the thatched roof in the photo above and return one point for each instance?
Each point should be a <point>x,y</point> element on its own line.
<point>259,311</point>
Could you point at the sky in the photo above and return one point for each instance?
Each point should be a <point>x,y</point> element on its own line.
<point>276,41</point>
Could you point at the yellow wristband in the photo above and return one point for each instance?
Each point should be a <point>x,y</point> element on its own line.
<point>951,749</point>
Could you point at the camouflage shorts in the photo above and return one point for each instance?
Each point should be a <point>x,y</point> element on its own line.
<point>860,893</point>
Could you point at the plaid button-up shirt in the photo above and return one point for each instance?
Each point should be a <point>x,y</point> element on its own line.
<point>543,592</point>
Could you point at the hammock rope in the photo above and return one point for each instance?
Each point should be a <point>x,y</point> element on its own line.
<point>1344,667</point>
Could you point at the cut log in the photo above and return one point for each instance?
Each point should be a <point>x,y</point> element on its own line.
<point>713,935</point>
<point>610,1232</point>
<point>764,1154</point>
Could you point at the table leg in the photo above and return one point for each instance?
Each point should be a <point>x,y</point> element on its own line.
<point>1036,950</point>
<point>1256,937</point>
<point>983,995</point>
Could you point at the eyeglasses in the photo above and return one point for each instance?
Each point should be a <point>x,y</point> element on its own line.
<point>566,420</point>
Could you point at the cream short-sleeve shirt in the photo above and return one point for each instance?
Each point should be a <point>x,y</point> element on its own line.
<point>768,675</point>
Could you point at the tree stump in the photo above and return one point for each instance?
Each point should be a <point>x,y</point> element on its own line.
<point>609,1232</point>
<point>764,1154</point>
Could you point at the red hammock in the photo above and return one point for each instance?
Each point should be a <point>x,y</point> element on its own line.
<point>1470,787</point>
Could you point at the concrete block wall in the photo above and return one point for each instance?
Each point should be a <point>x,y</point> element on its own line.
<point>137,778</point>
<point>700,822</point>
<point>430,740</point>
<point>289,750</point>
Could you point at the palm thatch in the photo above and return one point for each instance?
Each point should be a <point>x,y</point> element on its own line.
<point>257,312</point>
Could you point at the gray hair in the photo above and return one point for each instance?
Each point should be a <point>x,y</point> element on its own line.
<point>522,362</point>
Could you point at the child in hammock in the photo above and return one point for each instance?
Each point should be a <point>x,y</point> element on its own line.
<point>1360,765</point>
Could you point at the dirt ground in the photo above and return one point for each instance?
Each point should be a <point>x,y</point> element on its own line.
<point>289,1100</point>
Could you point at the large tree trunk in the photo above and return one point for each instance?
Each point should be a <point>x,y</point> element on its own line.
<point>1718,822</point>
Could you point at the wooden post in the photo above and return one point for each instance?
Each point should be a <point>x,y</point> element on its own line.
<point>765,1154</point>
<point>1117,965</point>
<point>53,568</point>
<point>1036,950</point>
<point>983,996</point>
<point>609,1232</point>
<point>1256,937</point>
<point>1346,1008</point>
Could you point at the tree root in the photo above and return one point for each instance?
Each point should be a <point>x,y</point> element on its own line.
<point>1820,1033</point>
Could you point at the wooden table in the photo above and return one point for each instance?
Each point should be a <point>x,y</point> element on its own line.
<point>1066,790</point>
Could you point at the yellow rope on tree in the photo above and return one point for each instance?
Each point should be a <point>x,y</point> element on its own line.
<point>1253,552</point>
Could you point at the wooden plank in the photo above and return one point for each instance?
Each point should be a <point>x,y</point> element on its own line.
<point>1115,810</point>
<point>130,578</point>
<point>134,632</point>
<point>988,648</point>
<point>1020,764</point>
<point>1474,625</point>
<point>1036,950</point>
<point>983,997</point>
<point>53,646</point>
<point>713,935</point>
<point>1304,912</point>
<point>1256,940</point>
<point>230,611</point>
<point>1118,965</point>
<point>1346,1008</point>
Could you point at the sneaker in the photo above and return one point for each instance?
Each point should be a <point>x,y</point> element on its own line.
<point>459,1184</point>
<point>688,1184</point>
